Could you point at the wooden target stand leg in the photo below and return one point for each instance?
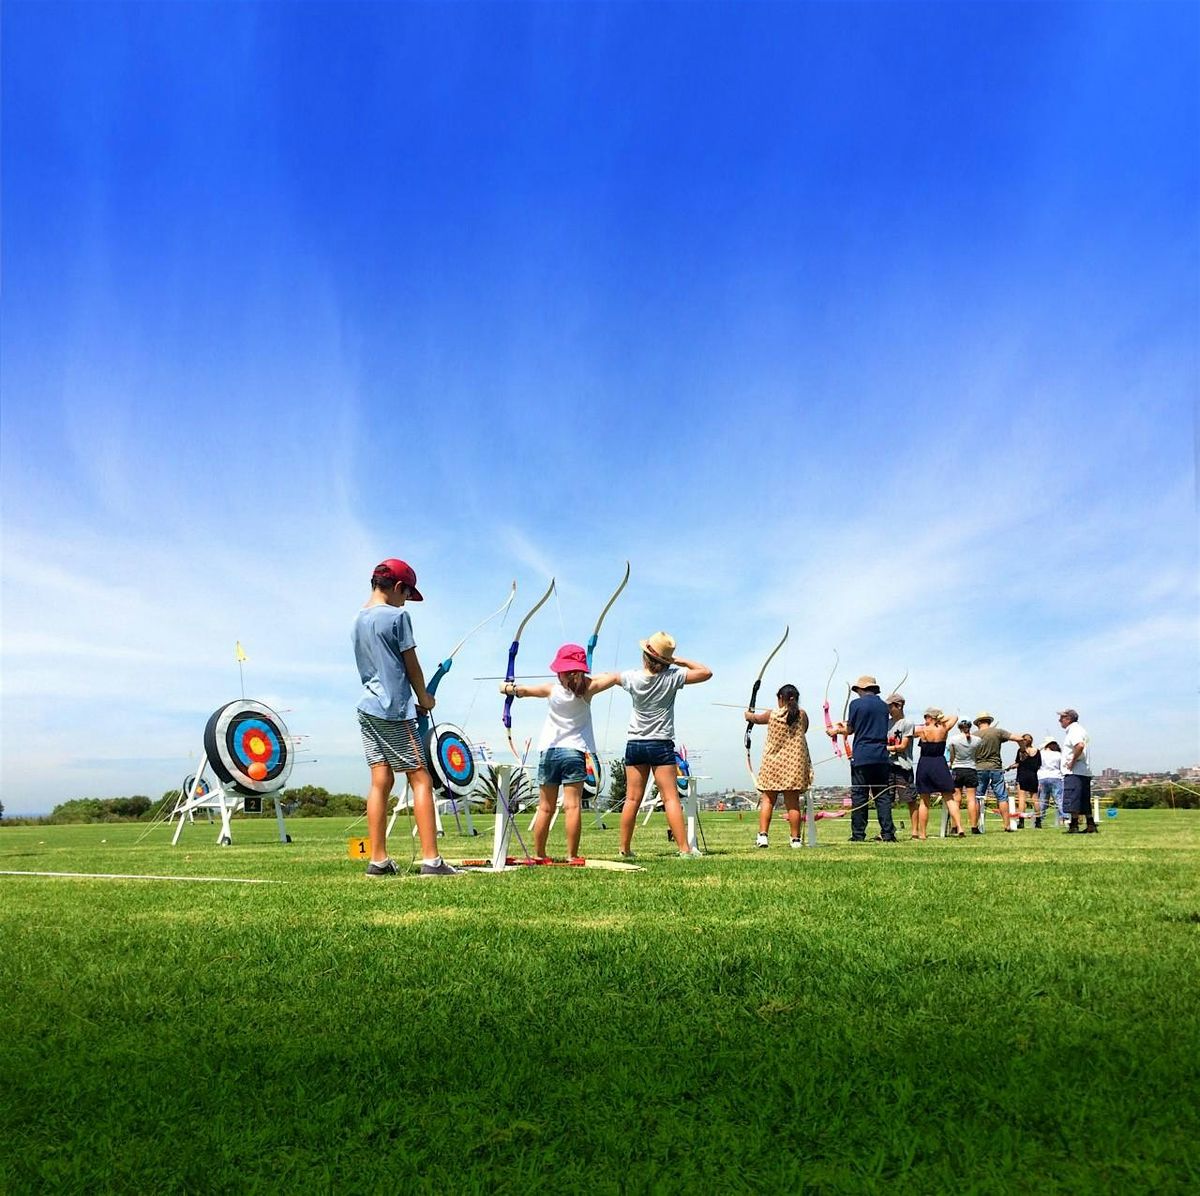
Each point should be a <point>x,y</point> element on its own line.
<point>404,802</point>
<point>504,819</point>
<point>691,809</point>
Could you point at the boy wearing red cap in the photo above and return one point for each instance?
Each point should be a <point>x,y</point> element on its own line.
<point>567,738</point>
<point>393,689</point>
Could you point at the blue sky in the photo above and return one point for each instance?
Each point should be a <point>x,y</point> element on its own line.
<point>877,320</point>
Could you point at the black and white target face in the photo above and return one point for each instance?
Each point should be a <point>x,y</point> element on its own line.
<point>451,763</point>
<point>595,776</point>
<point>248,747</point>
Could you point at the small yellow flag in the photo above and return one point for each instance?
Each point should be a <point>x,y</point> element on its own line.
<point>240,656</point>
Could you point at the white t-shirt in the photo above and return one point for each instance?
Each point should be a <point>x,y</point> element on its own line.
<point>964,751</point>
<point>1083,766</point>
<point>568,722</point>
<point>653,697</point>
<point>1052,762</point>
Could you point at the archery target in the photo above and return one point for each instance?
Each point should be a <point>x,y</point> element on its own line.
<point>248,747</point>
<point>595,776</point>
<point>451,763</point>
<point>684,770</point>
<point>202,790</point>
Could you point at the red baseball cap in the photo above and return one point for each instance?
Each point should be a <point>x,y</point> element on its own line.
<point>391,571</point>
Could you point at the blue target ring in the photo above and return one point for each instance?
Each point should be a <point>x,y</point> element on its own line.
<point>249,732</point>
<point>450,759</point>
<point>247,746</point>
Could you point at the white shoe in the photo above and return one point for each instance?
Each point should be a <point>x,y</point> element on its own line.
<point>797,842</point>
<point>762,840</point>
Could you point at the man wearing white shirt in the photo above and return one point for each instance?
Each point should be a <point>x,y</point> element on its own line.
<point>1077,773</point>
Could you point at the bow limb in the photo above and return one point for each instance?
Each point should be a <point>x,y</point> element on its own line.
<point>845,711</point>
<point>754,698</point>
<point>510,671</point>
<point>896,688</point>
<point>444,667</point>
<point>837,751</point>
<point>591,644</point>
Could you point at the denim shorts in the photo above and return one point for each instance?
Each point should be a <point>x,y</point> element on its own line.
<point>995,778</point>
<point>562,766</point>
<point>650,751</point>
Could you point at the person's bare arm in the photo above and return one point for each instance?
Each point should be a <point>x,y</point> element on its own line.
<point>758,717</point>
<point>600,682</point>
<point>694,671</point>
<point>416,678</point>
<point>526,691</point>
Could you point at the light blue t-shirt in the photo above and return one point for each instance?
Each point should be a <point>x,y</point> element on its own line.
<point>381,634</point>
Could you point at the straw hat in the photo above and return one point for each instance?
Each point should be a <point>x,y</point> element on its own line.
<point>660,646</point>
<point>865,682</point>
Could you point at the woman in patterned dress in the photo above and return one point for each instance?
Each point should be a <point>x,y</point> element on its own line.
<point>786,765</point>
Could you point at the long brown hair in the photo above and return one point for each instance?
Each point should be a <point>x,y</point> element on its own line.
<point>791,695</point>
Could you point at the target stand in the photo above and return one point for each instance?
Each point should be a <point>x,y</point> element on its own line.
<point>246,745</point>
<point>450,760</point>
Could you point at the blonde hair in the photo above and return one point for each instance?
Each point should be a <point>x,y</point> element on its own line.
<point>934,713</point>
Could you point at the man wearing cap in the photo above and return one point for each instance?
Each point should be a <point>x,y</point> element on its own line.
<point>1077,773</point>
<point>867,721</point>
<point>989,766</point>
<point>900,757</point>
<point>393,689</point>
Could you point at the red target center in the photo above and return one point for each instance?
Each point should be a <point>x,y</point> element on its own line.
<point>255,746</point>
<point>456,758</point>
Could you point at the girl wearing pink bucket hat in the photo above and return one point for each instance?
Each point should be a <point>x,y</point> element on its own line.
<point>566,740</point>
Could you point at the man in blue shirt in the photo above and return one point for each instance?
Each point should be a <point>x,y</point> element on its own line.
<point>867,721</point>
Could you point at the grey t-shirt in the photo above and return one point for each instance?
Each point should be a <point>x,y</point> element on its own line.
<point>381,634</point>
<point>653,697</point>
<point>898,729</point>
<point>963,749</point>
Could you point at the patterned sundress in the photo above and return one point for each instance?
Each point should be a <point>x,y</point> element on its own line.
<point>786,763</point>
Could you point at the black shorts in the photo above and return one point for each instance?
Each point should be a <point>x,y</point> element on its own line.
<point>1077,794</point>
<point>966,778</point>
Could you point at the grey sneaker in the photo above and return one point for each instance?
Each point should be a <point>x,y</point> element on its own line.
<point>441,868</point>
<point>694,854</point>
<point>383,868</point>
<point>626,855</point>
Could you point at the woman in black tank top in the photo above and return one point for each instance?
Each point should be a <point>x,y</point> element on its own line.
<point>933,773</point>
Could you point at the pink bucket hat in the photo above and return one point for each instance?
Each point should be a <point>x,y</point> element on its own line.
<point>571,658</point>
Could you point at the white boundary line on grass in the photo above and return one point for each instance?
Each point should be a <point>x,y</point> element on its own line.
<point>232,880</point>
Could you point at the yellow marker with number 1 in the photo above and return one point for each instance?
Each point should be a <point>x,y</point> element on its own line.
<point>356,849</point>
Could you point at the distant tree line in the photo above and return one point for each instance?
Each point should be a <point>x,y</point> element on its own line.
<point>1153,797</point>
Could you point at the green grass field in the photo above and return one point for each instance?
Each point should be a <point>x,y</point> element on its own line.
<point>1012,1013</point>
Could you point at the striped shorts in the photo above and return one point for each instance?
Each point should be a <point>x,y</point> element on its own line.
<point>391,741</point>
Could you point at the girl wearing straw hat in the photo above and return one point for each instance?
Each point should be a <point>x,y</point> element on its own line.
<point>651,743</point>
<point>567,737</point>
